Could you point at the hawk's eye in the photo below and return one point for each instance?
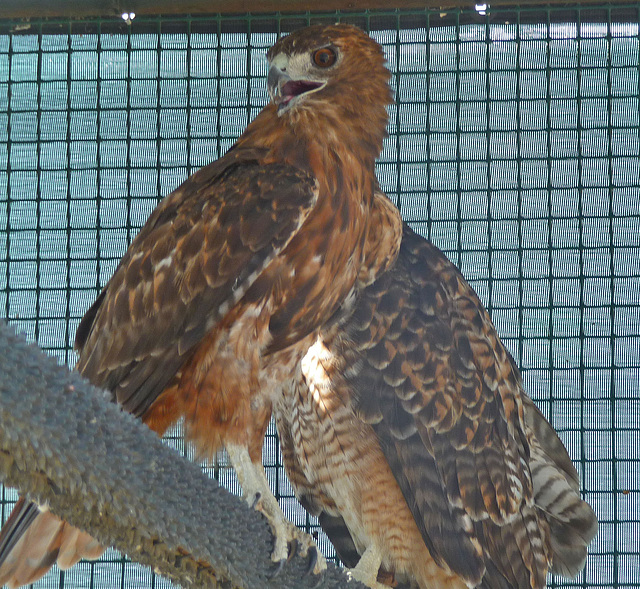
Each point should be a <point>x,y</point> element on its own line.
<point>324,57</point>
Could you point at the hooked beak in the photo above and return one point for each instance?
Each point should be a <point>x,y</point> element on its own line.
<point>283,90</point>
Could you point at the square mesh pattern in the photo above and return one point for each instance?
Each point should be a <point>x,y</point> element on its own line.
<point>514,145</point>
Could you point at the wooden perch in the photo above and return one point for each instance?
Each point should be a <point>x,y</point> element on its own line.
<point>63,443</point>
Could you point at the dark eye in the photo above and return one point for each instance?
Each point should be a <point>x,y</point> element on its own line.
<point>324,57</point>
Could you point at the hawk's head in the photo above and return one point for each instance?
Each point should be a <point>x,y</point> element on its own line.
<point>335,63</point>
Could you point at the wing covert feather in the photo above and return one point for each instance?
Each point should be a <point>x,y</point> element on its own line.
<point>198,254</point>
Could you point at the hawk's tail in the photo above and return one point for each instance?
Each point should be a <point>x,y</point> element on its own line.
<point>556,489</point>
<point>33,540</point>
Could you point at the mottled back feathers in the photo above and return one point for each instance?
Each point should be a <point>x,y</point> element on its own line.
<point>490,486</point>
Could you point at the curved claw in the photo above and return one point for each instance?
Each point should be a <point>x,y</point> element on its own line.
<point>312,560</point>
<point>294,546</point>
<point>256,499</point>
<point>278,569</point>
<point>320,579</point>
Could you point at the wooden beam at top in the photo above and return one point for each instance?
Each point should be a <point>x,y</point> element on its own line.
<point>77,9</point>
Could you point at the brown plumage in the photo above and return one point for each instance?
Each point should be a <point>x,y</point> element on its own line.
<point>222,290</point>
<point>410,436</point>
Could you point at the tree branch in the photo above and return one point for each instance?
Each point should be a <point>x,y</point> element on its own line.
<point>63,443</point>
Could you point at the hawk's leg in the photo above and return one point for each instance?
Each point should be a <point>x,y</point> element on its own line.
<point>366,571</point>
<point>256,491</point>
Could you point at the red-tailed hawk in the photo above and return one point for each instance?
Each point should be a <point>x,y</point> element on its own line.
<point>224,288</point>
<point>410,436</point>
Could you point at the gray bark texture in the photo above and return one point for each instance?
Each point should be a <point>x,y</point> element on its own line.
<point>65,444</point>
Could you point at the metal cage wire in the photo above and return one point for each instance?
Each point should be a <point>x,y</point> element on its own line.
<point>513,145</point>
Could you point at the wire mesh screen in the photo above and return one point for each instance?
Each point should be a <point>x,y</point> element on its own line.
<point>514,145</point>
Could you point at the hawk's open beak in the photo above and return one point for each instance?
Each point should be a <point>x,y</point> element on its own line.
<point>276,79</point>
<point>282,89</point>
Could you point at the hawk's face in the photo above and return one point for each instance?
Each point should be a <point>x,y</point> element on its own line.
<point>293,77</point>
<point>323,62</point>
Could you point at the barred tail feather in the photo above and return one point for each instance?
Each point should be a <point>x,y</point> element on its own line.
<point>556,489</point>
<point>572,522</point>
